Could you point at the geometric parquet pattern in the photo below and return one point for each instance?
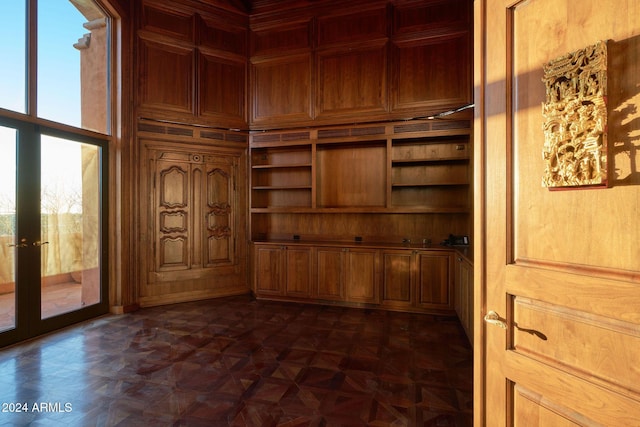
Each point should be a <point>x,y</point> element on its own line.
<point>240,362</point>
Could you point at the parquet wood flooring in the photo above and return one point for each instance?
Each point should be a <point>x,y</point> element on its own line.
<point>241,362</point>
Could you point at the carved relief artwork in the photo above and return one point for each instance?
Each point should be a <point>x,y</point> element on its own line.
<point>575,119</point>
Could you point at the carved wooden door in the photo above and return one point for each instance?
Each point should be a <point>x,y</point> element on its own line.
<point>193,225</point>
<point>557,271</point>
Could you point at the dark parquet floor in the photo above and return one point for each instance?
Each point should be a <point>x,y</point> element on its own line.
<point>240,362</point>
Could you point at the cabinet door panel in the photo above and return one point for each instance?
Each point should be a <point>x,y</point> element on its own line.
<point>298,261</point>
<point>361,282</point>
<point>397,283</point>
<point>433,280</point>
<point>268,270</point>
<point>330,274</point>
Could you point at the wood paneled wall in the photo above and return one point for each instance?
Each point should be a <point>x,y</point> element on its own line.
<point>315,63</point>
<point>365,61</point>
<point>192,63</point>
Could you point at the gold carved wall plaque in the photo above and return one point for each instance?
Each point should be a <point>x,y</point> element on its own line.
<point>575,119</point>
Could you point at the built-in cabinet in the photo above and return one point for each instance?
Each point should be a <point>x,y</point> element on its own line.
<point>283,270</point>
<point>388,182</point>
<point>375,275</point>
<point>347,274</point>
<point>417,279</point>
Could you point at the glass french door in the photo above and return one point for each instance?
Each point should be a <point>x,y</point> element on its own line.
<point>52,245</point>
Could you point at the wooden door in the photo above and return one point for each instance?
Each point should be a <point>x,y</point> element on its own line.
<point>193,222</point>
<point>560,269</point>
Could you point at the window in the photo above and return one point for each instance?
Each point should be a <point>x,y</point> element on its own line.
<point>54,139</point>
<point>70,62</point>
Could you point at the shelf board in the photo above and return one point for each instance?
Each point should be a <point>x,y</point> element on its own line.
<point>284,166</point>
<point>287,187</point>
<point>430,160</point>
<point>355,209</point>
<point>424,184</point>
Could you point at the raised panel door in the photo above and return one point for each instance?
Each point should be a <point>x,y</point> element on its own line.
<point>361,277</point>
<point>558,271</point>
<point>434,275</point>
<point>330,269</point>
<point>298,271</point>
<point>269,270</point>
<point>397,280</point>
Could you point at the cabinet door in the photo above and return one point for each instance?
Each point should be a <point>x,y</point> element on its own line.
<point>397,283</point>
<point>330,273</point>
<point>434,275</point>
<point>298,271</point>
<point>361,280</point>
<point>269,269</point>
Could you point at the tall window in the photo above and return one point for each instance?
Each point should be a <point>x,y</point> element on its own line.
<point>67,59</point>
<point>54,138</point>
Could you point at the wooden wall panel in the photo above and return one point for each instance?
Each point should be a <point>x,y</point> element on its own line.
<point>221,36</point>
<point>431,16</point>
<point>356,27</point>
<point>193,64</point>
<point>431,71</point>
<point>166,76</point>
<point>282,89</point>
<point>356,75</point>
<point>352,82</point>
<point>172,23</point>
<point>284,39</point>
<point>221,89</point>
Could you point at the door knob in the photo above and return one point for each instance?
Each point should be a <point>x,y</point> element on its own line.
<point>39,243</point>
<point>23,244</point>
<point>493,319</point>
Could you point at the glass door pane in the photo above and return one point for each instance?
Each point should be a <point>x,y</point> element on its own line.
<point>70,217</point>
<point>7,228</point>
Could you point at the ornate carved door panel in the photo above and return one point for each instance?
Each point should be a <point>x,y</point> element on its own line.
<point>193,225</point>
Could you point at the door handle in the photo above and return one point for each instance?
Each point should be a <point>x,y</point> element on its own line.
<point>23,244</point>
<point>39,243</point>
<point>493,318</point>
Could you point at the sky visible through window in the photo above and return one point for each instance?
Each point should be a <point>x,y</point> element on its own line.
<point>59,28</point>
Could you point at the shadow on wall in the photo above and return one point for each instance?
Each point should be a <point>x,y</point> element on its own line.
<point>624,110</point>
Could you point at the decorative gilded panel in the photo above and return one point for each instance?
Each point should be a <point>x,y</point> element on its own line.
<point>575,118</point>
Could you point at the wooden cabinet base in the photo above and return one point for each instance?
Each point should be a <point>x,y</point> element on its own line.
<point>370,276</point>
